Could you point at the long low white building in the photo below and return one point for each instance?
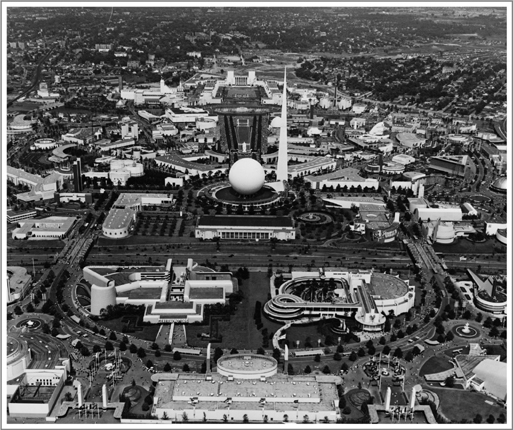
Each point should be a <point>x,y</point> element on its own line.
<point>123,213</point>
<point>245,227</point>
<point>54,227</point>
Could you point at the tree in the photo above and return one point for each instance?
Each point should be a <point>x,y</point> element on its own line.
<point>168,348</point>
<point>344,367</point>
<point>96,348</point>
<point>30,307</point>
<point>449,381</point>
<point>382,340</point>
<point>133,348</point>
<point>308,370</point>
<point>346,410</point>
<point>186,368</point>
<point>122,346</point>
<point>386,350</point>
<point>290,369</point>
<point>337,356</point>
<point>141,353</point>
<point>494,332</point>
<point>490,419</point>
<point>353,356</point>
<point>478,419</point>
<point>326,370</point>
<point>488,323</point>
<point>479,318</point>
<point>18,310</point>
<point>177,356</point>
<point>361,352</point>
<point>113,336</point>
<point>109,346</point>
<point>85,351</point>
<point>398,353</point>
<point>167,367</point>
<point>154,346</point>
<point>409,356</point>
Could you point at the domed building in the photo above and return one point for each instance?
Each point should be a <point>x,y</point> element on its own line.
<point>500,185</point>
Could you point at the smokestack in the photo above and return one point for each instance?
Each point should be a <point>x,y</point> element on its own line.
<point>286,360</point>
<point>387,399</point>
<point>104,396</point>
<point>80,397</point>
<point>208,358</point>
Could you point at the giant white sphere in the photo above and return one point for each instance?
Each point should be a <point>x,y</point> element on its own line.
<point>247,176</point>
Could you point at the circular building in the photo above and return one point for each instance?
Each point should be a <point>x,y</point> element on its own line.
<point>45,144</point>
<point>247,366</point>
<point>247,176</point>
<point>444,233</point>
<point>500,185</point>
<point>18,357</point>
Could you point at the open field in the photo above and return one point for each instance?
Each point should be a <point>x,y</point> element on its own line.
<point>458,405</point>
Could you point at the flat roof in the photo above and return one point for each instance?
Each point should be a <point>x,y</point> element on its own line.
<point>245,221</point>
<point>118,218</point>
<point>174,305</point>
<point>387,286</point>
<point>206,293</point>
<point>143,293</point>
<point>175,159</point>
<point>275,388</point>
<point>315,162</point>
<point>347,174</point>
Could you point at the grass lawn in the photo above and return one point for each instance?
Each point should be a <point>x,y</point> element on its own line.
<point>458,404</point>
<point>435,365</point>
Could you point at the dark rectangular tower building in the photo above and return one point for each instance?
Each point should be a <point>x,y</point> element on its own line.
<point>77,175</point>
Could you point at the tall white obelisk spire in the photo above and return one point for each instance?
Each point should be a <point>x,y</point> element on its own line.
<point>282,173</point>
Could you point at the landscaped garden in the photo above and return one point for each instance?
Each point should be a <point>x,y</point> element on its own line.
<point>435,365</point>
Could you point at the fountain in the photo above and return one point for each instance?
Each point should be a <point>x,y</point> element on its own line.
<point>466,329</point>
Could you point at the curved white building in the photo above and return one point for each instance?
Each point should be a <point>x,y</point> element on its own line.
<point>360,295</point>
<point>18,357</point>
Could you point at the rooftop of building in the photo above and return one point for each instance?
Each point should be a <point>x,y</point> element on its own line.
<point>177,160</point>
<point>245,221</point>
<point>453,159</point>
<point>142,294</point>
<point>20,173</point>
<point>312,163</point>
<point>275,390</point>
<point>346,174</point>
<point>387,286</point>
<point>204,293</point>
<point>128,199</point>
<point>119,218</point>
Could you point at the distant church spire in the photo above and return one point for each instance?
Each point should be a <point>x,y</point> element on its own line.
<point>282,173</point>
